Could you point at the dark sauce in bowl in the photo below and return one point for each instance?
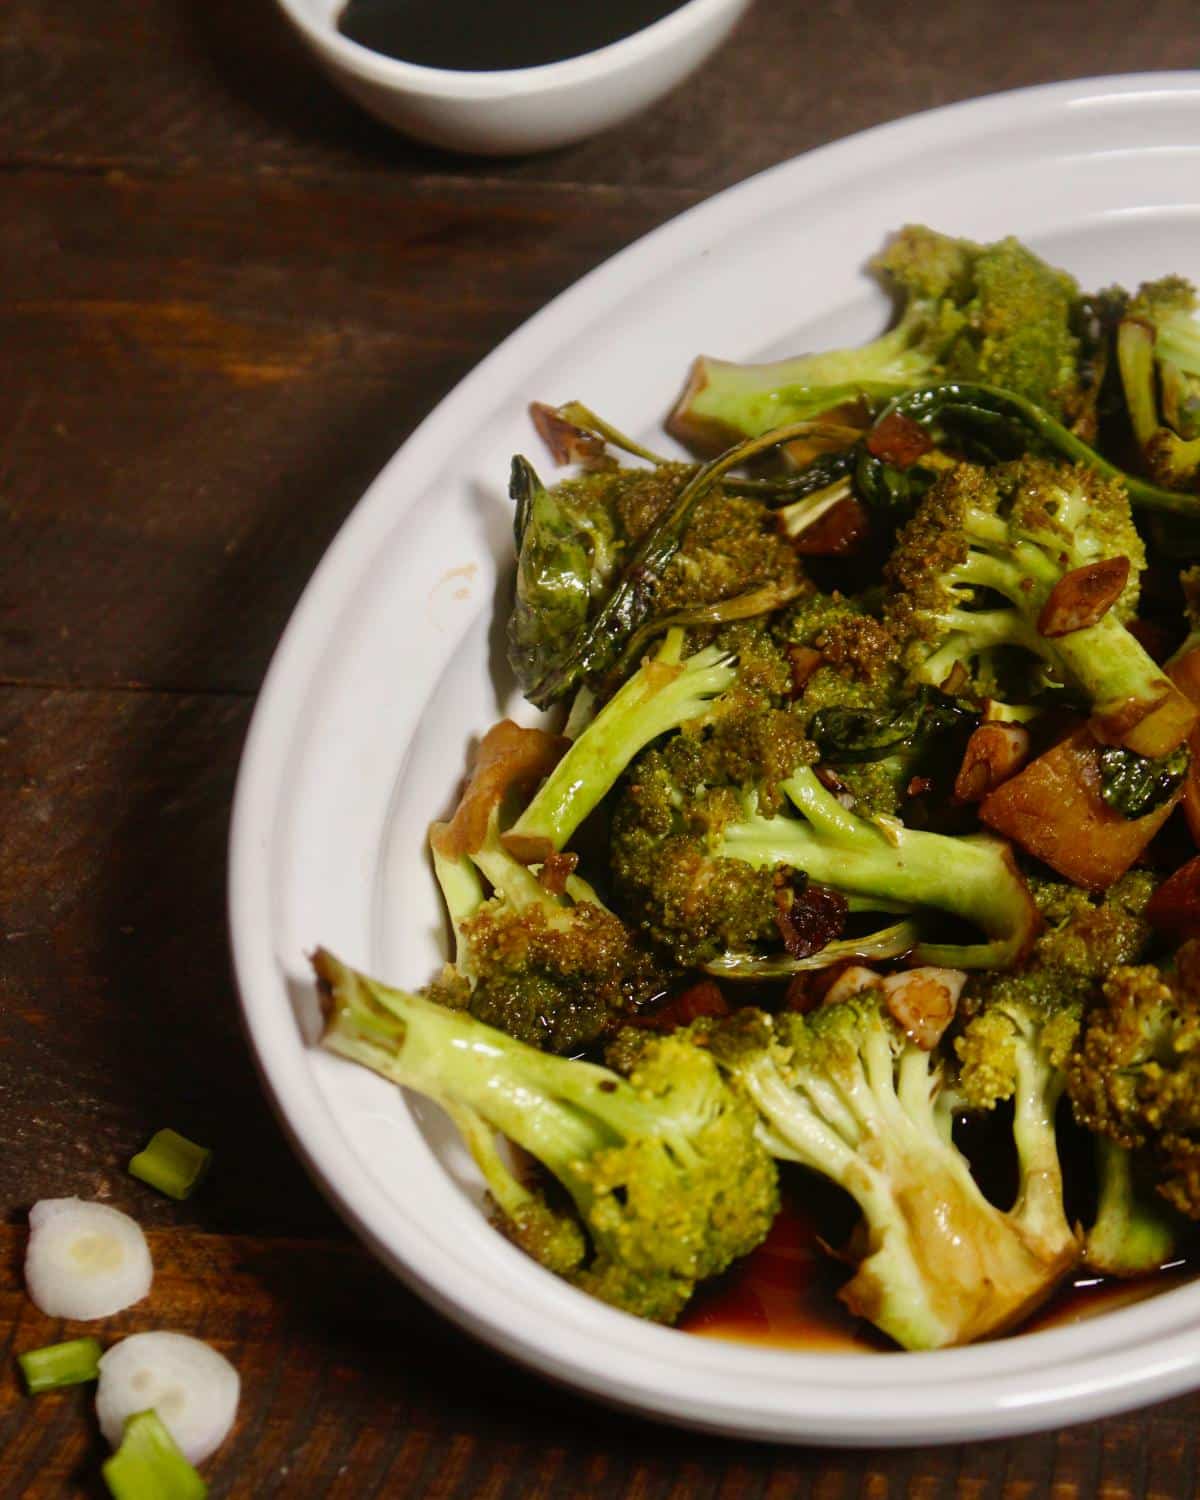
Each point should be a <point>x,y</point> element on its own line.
<point>485,36</point>
<point>784,1295</point>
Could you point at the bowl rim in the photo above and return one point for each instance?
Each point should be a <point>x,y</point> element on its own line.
<point>1125,1357</point>
<point>693,16</point>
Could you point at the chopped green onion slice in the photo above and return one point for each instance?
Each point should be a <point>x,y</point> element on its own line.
<point>57,1365</point>
<point>148,1465</point>
<point>171,1163</point>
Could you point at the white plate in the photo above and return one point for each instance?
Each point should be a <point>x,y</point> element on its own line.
<point>386,672</point>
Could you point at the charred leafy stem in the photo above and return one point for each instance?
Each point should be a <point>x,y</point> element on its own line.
<point>596,645</point>
<point>991,425</point>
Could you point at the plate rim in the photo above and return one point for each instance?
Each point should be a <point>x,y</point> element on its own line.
<point>1176,1362</point>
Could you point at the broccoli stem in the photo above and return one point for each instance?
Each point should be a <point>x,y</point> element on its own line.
<point>1039,1210</point>
<point>725,401</point>
<point>662,695</point>
<point>873,947</point>
<point>972,877</point>
<point>1133,1232</point>
<point>1178,341</point>
<point>462,890</point>
<point>942,1263</point>
<point>449,1056</point>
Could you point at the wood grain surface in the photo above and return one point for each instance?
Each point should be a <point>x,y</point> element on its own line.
<point>227,297</point>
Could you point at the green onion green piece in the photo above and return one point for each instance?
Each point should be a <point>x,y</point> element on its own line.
<point>57,1365</point>
<point>171,1163</point>
<point>148,1465</point>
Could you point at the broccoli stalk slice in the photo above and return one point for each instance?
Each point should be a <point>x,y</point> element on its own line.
<point>1171,459</point>
<point>724,401</point>
<point>874,947</point>
<point>972,877</point>
<point>853,1100</point>
<point>1134,1232</point>
<point>663,694</point>
<point>668,1181</point>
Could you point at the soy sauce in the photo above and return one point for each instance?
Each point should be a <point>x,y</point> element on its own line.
<point>784,1294</point>
<point>483,36</point>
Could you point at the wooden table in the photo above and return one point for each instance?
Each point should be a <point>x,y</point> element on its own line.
<point>227,297</point>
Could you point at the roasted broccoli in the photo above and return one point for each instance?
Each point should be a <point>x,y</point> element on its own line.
<point>846,1093</point>
<point>609,557</point>
<point>869,727</point>
<point>703,865</point>
<point>666,692</point>
<point>661,1177</point>
<point>878,731</point>
<point>1134,1074</point>
<point>1021,1027</point>
<point>1020,556</point>
<point>994,313</point>
<point>880,865</point>
<point>536,954</point>
<point>1158,348</point>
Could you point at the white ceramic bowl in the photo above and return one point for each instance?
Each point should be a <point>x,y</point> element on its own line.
<point>393,662</point>
<point>512,111</point>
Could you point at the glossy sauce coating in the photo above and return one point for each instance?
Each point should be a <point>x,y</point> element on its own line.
<point>785,1295</point>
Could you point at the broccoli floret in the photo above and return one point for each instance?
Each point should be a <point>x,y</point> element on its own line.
<point>846,1093</point>
<point>1014,533</point>
<point>665,693</point>
<point>526,943</point>
<point>1086,934</point>
<point>1022,1027</point>
<point>711,867</point>
<point>555,969</point>
<point>688,902</point>
<point>1015,1047</point>
<point>883,866</point>
<point>1134,1074</point>
<point>868,725</point>
<point>664,1180</point>
<point>1017,331</point>
<point>978,312</point>
<point>607,560</point>
<point>1158,350</point>
<point>669,813</point>
<point>537,953</point>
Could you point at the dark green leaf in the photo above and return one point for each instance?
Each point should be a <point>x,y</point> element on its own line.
<point>849,736</point>
<point>1135,785</point>
<point>554,578</point>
